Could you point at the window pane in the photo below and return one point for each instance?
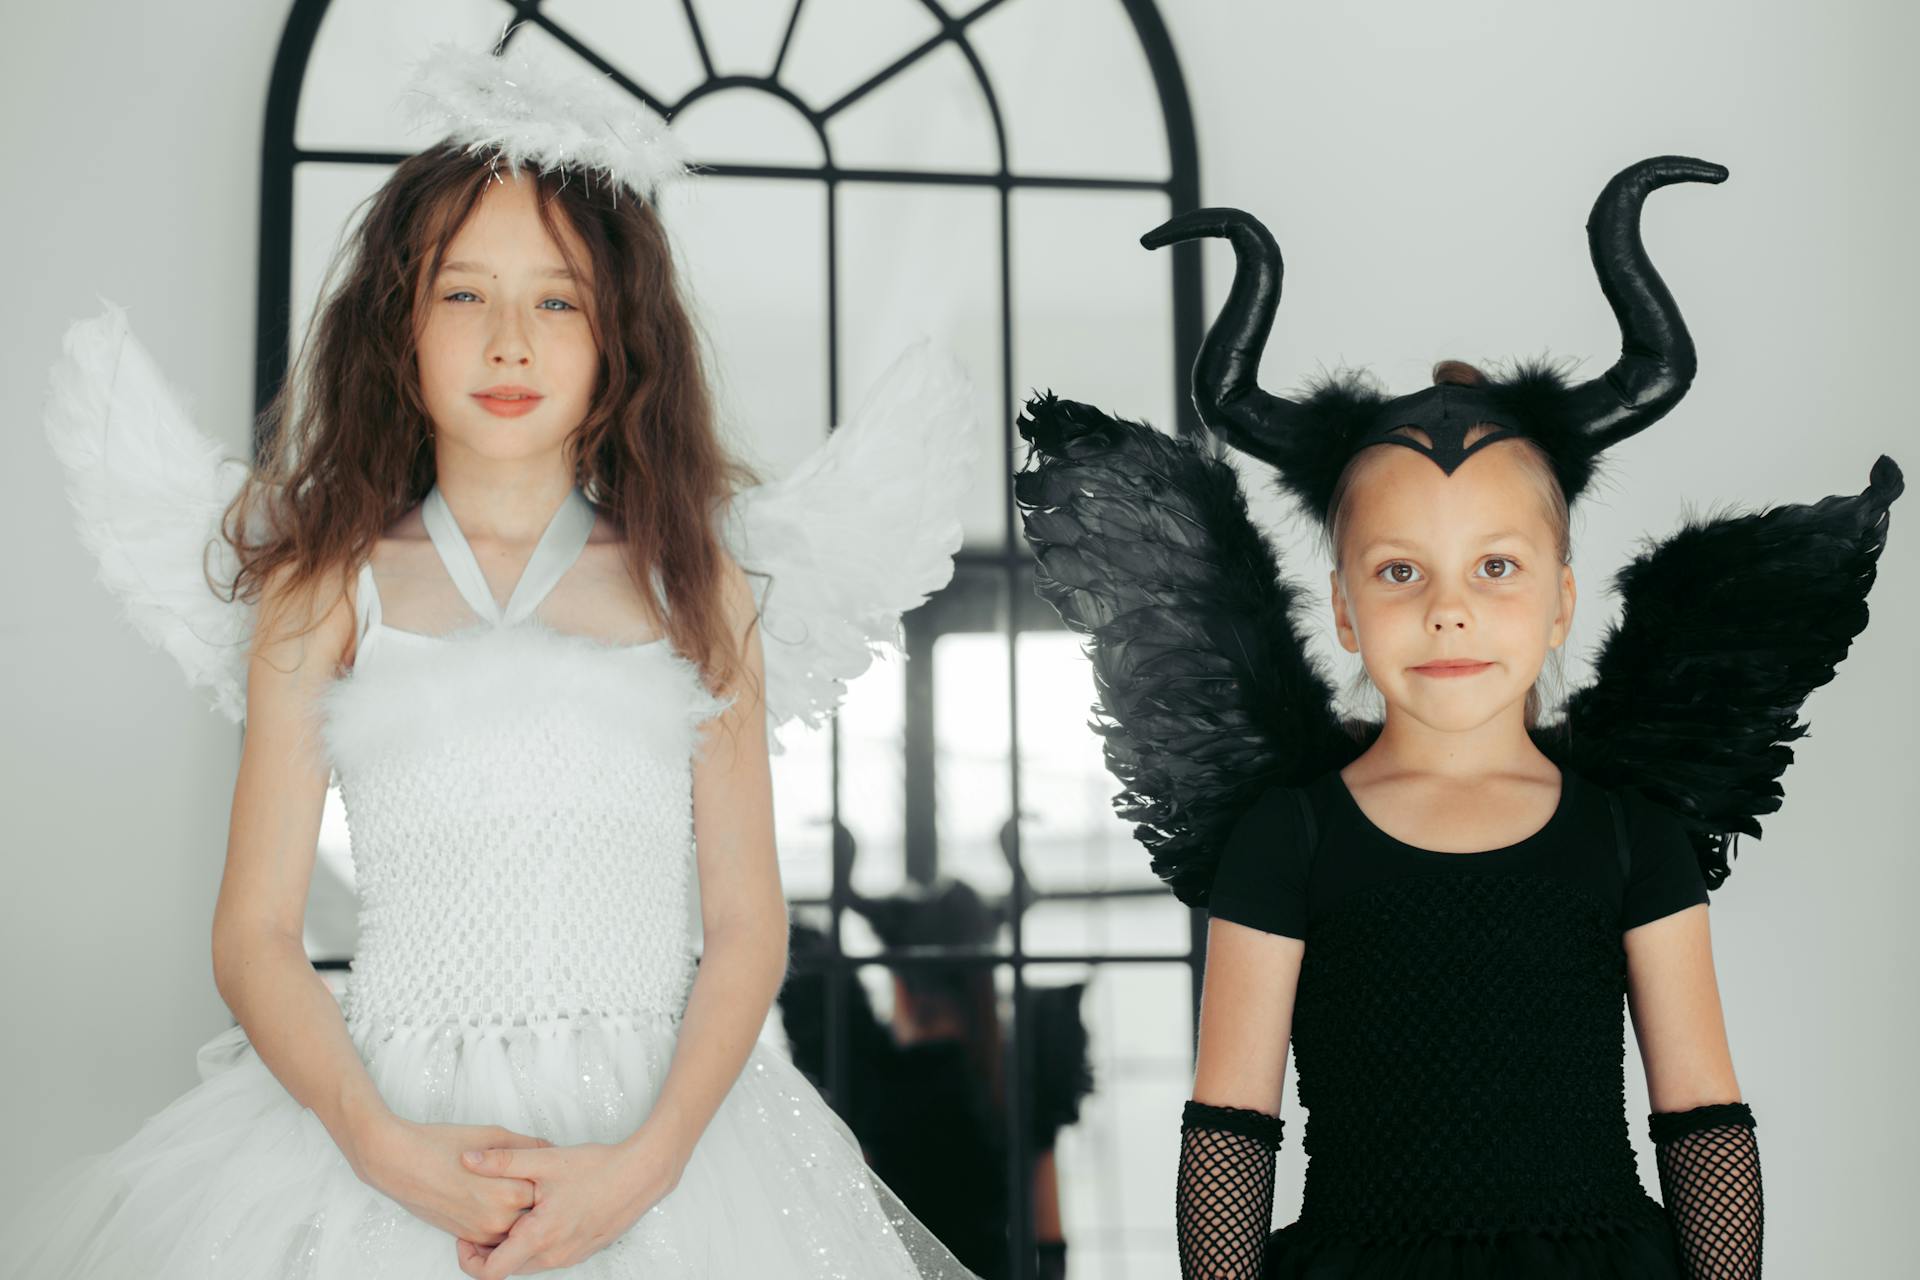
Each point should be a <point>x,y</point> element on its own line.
<point>752,252</point>
<point>803,807</point>
<point>925,262</point>
<point>1070,837</point>
<point>1115,1166</point>
<point>649,40</point>
<point>971,742</point>
<point>839,44</point>
<point>1154,924</point>
<point>934,805</point>
<point>1074,88</point>
<point>748,126</point>
<point>873,776</point>
<point>933,115</point>
<point>743,36</point>
<point>1092,309</point>
<point>363,56</point>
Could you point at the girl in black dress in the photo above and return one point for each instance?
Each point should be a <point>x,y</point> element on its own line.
<point>1473,919</point>
<point>1442,914</point>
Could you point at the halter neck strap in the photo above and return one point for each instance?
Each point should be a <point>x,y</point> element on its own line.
<point>560,544</point>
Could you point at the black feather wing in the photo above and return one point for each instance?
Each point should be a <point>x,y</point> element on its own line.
<point>1726,626</point>
<point>1205,694</point>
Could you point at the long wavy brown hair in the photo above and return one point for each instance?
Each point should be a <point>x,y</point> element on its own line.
<point>347,447</point>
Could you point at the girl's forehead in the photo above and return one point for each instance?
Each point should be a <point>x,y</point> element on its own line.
<point>1404,493</point>
<point>504,229</point>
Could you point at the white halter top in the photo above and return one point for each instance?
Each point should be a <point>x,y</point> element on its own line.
<point>519,805</point>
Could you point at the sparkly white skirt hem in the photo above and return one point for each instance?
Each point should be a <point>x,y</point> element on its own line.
<point>234,1180</point>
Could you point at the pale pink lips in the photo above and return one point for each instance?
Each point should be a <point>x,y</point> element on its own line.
<point>1453,667</point>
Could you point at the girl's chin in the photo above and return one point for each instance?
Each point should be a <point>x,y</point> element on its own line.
<point>504,439</point>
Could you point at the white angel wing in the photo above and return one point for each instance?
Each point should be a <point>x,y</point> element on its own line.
<point>148,491</point>
<point>863,530</point>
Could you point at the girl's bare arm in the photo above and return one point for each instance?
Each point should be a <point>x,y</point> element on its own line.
<point>743,912</point>
<point>1675,1002</point>
<point>260,963</point>
<point>1704,1144</point>
<point>1229,1131</point>
<point>1246,1016</point>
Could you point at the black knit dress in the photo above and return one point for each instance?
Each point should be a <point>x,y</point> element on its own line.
<point>1459,1033</point>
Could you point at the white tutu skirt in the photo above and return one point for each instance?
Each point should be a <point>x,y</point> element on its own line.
<point>235,1180</point>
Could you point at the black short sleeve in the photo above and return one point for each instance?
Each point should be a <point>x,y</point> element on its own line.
<point>1665,876</point>
<point>1262,878</point>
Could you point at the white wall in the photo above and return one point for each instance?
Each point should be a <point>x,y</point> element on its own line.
<point>1427,170</point>
<point>135,131</point>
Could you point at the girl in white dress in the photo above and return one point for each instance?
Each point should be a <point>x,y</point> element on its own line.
<point>554,766</point>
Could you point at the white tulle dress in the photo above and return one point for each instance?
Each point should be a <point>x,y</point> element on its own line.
<point>518,793</point>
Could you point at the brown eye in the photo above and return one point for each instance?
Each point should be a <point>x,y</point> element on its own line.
<point>1390,566</point>
<point>1501,560</point>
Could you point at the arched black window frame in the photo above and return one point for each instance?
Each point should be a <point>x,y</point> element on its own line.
<point>281,155</point>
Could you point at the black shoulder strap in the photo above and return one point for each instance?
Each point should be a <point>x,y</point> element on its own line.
<point>1306,817</point>
<point>1621,846</point>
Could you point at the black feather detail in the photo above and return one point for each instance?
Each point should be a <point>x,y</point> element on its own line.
<point>1726,626</point>
<point>1335,410</point>
<point>1535,390</point>
<point>1205,694</point>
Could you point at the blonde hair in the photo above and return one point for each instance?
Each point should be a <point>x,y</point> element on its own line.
<point>1531,457</point>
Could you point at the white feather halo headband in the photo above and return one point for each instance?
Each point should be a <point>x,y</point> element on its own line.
<point>556,117</point>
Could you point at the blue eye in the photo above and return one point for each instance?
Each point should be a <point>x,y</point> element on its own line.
<point>469,293</point>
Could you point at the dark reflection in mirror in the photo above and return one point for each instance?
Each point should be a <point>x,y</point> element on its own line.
<point>926,1084</point>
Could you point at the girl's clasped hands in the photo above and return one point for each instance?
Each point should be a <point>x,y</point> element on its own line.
<point>585,1197</point>
<point>517,1204</point>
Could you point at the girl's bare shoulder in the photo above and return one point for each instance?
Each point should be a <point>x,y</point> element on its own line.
<point>303,631</point>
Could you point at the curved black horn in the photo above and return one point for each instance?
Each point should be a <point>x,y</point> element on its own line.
<point>1656,364</point>
<point>1226,388</point>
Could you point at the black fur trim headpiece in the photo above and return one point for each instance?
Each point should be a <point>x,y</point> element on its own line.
<point>1309,441</point>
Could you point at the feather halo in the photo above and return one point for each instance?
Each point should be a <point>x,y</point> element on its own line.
<point>552,115</point>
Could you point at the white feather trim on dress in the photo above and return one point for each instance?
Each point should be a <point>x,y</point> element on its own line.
<point>506,682</point>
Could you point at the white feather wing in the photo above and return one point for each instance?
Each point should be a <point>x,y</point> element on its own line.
<point>863,530</point>
<point>148,491</point>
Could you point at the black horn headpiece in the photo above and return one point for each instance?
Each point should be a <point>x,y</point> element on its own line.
<point>1309,441</point>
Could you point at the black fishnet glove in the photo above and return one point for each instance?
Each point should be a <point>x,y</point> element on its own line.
<point>1710,1178</point>
<point>1223,1201</point>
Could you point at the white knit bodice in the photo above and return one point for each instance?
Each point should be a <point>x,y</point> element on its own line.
<point>519,805</point>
